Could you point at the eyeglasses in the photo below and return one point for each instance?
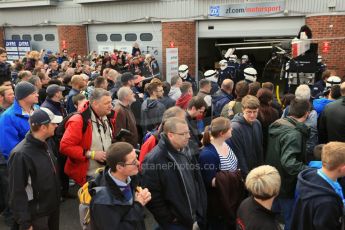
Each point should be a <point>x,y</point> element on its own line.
<point>159,91</point>
<point>183,134</point>
<point>134,163</point>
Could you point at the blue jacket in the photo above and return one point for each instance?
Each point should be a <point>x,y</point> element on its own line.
<point>209,163</point>
<point>14,126</point>
<point>318,206</point>
<point>56,107</point>
<point>320,104</point>
<point>69,104</point>
<point>220,99</point>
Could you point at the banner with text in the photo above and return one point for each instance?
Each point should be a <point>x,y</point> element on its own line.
<point>16,49</point>
<point>171,63</point>
<point>247,9</point>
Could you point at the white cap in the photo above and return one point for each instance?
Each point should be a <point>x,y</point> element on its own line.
<point>210,73</point>
<point>250,74</point>
<point>333,80</point>
<point>183,71</point>
<point>223,62</point>
<point>44,116</point>
<point>182,68</point>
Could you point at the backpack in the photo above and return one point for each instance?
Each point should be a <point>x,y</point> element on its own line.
<point>85,197</point>
<point>86,116</point>
<point>60,130</point>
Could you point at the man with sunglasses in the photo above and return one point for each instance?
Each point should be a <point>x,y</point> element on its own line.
<point>174,179</point>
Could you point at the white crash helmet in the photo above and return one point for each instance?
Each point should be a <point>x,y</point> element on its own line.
<point>223,64</point>
<point>333,80</point>
<point>210,73</point>
<point>250,74</point>
<point>183,71</point>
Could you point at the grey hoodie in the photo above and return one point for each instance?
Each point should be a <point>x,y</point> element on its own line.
<point>151,114</point>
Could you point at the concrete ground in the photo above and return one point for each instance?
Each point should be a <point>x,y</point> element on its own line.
<point>69,216</point>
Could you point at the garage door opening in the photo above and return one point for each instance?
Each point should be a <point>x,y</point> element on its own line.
<point>259,50</point>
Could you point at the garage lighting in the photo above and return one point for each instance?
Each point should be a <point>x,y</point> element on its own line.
<point>254,47</point>
<point>246,43</point>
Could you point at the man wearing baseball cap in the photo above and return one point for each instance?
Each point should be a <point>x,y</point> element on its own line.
<point>14,121</point>
<point>34,182</point>
<point>54,100</point>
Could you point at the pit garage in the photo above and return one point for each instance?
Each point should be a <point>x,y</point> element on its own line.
<point>251,36</point>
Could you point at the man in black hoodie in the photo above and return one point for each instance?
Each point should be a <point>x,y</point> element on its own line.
<point>320,200</point>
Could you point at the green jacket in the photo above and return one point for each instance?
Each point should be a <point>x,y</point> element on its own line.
<point>286,151</point>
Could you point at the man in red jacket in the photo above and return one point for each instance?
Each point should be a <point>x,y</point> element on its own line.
<point>86,150</point>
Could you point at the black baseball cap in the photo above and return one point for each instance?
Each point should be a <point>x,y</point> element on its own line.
<point>44,116</point>
<point>53,89</point>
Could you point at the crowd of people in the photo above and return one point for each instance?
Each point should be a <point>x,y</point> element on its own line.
<point>220,153</point>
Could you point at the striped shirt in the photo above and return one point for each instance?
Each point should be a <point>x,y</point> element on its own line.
<point>228,163</point>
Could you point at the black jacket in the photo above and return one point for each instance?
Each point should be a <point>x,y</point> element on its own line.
<point>318,88</point>
<point>169,184</point>
<point>167,102</point>
<point>32,161</point>
<point>253,216</point>
<point>318,206</point>
<point>56,107</point>
<point>195,137</point>
<point>109,208</point>
<point>332,122</point>
<point>5,72</point>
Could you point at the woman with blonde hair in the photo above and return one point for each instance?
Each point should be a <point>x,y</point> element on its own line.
<point>32,59</point>
<point>221,177</point>
<point>255,212</point>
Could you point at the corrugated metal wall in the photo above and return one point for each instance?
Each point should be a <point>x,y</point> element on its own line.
<point>114,12</point>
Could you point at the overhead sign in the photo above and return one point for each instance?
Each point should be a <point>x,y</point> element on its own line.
<point>171,63</point>
<point>105,48</point>
<point>16,49</point>
<point>247,9</point>
<point>124,48</point>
